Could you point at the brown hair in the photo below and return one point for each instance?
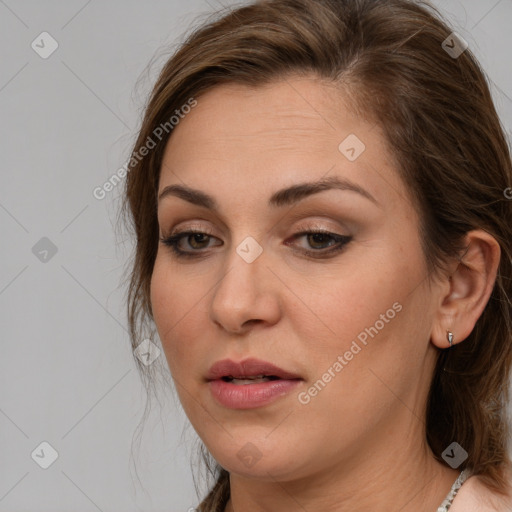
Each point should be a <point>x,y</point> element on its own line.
<point>438,116</point>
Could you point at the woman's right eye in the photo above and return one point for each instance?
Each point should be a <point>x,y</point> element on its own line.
<point>193,238</point>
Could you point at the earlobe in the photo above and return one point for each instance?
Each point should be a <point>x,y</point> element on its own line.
<point>467,291</point>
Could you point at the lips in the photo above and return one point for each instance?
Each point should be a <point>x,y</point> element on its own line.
<point>227,370</point>
<point>250,383</point>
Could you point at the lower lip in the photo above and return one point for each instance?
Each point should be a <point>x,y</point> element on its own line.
<point>249,396</point>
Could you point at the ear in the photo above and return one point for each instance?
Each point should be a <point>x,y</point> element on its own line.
<point>465,293</point>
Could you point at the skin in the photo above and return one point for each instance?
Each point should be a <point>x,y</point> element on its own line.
<point>359,444</point>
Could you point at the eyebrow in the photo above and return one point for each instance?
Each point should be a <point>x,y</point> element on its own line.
<point>283,197</point>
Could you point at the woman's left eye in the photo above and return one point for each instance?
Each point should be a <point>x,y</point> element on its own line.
<point>322,240</point>
<point>318,240</point>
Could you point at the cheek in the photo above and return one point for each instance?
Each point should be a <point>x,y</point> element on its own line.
<point>176,304</point>
<point>160,296</point>
<point>349,304</point>
<point>166,304</point>
<point>380,319</point>
<point>372,319</point>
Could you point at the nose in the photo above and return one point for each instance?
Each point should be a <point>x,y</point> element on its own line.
<point>247,293</point>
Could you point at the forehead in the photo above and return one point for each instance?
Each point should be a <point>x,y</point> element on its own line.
<point>246,140</point>
<point>277,115</point>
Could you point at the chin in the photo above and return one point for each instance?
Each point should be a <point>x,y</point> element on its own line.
<point>263,459</point>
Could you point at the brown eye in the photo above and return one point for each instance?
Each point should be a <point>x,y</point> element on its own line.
<point>197,240</point>
<point>317,240</point>
<point>321,240</point>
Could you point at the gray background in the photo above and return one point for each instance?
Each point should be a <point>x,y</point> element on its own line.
<point>66,367</point>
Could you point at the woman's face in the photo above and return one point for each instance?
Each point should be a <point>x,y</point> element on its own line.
<point>349,318</point>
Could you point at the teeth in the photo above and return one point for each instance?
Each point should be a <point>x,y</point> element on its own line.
<point>251,377</point>
<point>250,380</point>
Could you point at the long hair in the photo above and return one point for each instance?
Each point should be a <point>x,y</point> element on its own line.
<point>401,67</point>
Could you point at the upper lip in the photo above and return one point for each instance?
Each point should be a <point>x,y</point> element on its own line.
<point>247,368</point>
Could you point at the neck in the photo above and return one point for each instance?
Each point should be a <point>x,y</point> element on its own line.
<point>404,479</point>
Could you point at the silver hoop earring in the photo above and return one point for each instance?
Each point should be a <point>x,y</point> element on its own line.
<point>449,335</point>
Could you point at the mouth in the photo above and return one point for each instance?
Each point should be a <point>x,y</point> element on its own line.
<point>250,383</point>
<point>242,381</point>
<point>248,371</point>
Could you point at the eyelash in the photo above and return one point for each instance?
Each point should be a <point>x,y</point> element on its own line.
<point>173,241</point>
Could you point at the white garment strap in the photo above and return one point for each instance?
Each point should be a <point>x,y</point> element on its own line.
<point>445,506</point>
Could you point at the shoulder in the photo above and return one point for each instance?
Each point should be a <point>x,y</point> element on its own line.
<point>474,496</point>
